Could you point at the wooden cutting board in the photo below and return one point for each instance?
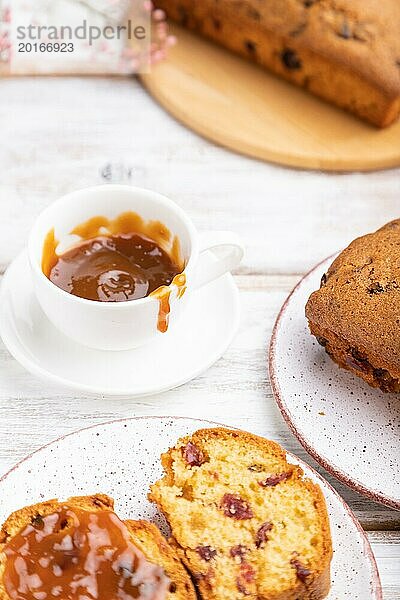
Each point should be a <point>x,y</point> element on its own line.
<point>238,105</point>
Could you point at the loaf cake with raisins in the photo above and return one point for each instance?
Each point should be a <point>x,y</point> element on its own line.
<point>59,524</point>
<point>355,315</point>
<point>345,51</point>
<point>245,522</point>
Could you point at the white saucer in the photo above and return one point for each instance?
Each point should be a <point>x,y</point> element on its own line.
<point>201,336</point>
<point>122,459</point>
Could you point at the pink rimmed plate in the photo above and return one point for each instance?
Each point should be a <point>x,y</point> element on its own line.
<point>351,429</point>
<point>122,459</point>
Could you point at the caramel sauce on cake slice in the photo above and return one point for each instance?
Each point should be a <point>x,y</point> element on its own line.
<point>73,554</point>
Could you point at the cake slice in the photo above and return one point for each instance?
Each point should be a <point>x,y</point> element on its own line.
<point>245,522</point>
<point>160,563</point>
<point>355,315</point>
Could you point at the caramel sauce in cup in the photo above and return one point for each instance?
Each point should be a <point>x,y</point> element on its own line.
<point>118,260</point>
<point>75,554</point>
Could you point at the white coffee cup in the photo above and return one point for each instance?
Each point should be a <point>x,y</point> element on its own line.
<point>124,325</point>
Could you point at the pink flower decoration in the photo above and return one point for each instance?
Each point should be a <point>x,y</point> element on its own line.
<point>159,15</point>
<point>158,56</point>
<point>133,61</point>
<point>135,64</point>
<point>6,16</point>
<point>171,40</point>
<point>148,5</point>
<point>4,41</point>
<point>128,53</point>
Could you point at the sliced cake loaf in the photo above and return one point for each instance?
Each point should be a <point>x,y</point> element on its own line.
<point>145,537</point>
<point>245,522</point>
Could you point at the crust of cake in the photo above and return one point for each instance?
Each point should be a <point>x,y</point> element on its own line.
<point>145,536</point>
<point>355,314</point>
<point>148,538</point>
<point>346,52</point>
<point>205,537</point>
<point>356,361</point>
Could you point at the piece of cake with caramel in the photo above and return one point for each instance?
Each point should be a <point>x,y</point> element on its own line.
<point>80,549</point>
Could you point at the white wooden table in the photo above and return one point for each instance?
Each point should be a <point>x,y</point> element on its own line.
<point>57,134</point>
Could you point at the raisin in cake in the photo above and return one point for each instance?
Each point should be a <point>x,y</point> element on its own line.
<point>345,51</point>
<point>355,314</point>
<point>243,520</point>
<point>145,537</point>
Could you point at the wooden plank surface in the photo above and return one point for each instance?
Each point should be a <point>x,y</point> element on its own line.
<point>58,135</point>
<point>237,104</point>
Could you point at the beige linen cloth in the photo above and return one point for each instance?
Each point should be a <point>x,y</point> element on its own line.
<point>33,53</point>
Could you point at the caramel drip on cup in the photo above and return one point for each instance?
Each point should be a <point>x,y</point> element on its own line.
<point>49,256</point>
<point>179,281</point>
<point>163,294</point>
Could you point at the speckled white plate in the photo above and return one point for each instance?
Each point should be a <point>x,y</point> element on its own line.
<point>198,339</point>
<point>351,429</point>
<point>121,458</point>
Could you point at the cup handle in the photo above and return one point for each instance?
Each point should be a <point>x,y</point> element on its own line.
<point>228,251</point>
